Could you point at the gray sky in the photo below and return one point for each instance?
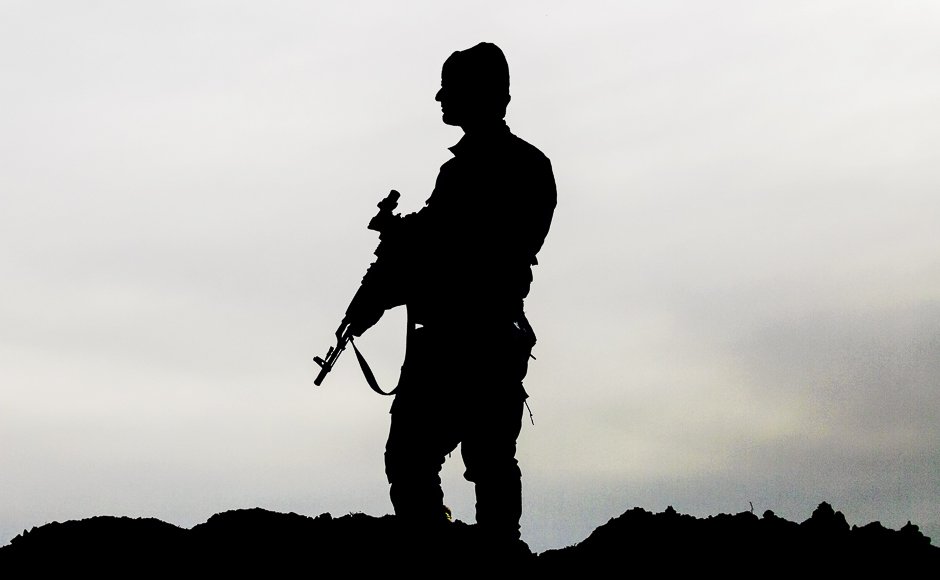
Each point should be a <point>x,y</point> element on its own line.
<point>739,300</point>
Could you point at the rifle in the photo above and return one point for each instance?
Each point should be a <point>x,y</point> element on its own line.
<point>326,363</point>
<point>381,222</point>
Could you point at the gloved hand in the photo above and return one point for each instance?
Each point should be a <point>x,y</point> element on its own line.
<point>358,320</point>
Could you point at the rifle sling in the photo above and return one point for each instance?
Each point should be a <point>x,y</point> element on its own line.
<point>367,372</point>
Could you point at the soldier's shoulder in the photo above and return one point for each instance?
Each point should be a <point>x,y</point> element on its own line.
<point>524,149</point>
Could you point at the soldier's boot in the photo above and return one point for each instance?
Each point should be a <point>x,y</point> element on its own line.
<point>499,506</point>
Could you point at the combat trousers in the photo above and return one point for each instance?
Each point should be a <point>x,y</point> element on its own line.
<point>442,403</point>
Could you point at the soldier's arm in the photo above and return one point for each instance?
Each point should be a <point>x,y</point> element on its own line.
<point>385,284</point>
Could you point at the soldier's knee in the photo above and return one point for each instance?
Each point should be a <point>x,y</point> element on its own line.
<point>404,465</point>
<point>506,469</point>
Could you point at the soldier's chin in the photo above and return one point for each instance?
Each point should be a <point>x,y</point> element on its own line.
<point>450,119</point>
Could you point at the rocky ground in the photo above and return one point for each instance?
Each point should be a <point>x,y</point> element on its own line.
<point>260,541</point>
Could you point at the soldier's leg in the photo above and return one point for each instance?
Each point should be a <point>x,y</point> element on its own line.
<point>489,454</point>
<point>419,439</point>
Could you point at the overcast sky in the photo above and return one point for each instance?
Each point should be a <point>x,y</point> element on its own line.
<point>738,302</point>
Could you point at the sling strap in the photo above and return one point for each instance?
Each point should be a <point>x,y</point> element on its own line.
<point>367,372</point>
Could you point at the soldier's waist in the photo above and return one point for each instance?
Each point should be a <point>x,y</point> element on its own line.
<point>465,316</point>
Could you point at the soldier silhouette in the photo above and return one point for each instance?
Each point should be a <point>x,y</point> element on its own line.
<point>462,265</point>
